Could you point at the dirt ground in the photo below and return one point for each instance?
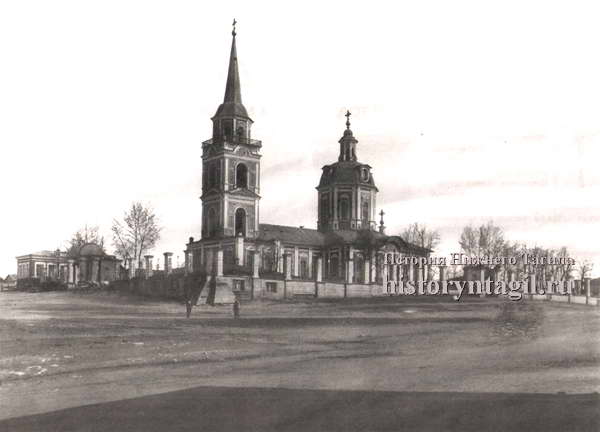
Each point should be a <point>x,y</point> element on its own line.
<point>101,361</point>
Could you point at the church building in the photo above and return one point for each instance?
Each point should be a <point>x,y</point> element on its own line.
<point>342,257</point>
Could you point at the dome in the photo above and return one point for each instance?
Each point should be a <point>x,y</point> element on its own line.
<point>91,249</point>
<point>347,173</point>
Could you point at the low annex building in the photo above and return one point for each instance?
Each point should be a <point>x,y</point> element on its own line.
<point>339,258</point>
<point>89,263</point>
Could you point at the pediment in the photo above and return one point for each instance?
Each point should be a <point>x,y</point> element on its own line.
<point>244,192</point>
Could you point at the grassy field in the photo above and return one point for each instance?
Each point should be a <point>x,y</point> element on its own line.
<point>75,361</point>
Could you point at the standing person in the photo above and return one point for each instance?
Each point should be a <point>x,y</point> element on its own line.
<point>236,309</point>
<point>187,293</point>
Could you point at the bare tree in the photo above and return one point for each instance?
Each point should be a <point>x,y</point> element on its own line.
<point>484,240</point>
<point>422,236</point>
<point>85,235</point>
<point>565,269</point>
<point>584,269</point>
<point>137,233</point>
<point>487,239</point>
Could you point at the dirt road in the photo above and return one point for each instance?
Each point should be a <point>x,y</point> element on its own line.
<point>314,365</point>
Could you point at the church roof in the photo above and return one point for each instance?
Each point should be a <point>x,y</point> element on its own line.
<point>44,253</point>
<point>351,236</point>
<point>290,234</point>
<point>312,237</point>
<point>411,247</point>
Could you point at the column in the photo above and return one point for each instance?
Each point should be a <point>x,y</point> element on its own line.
<point>393,272</point>
<point>130,268</point>
<point>310,263</point>
<point>256,264</point>
<point>296,262</point>
<point>319,275</point>
<point>385,276</point>
<point>411,272</point>
<point>94,275</point>
<point>482,280</point>
<point>280,255</point>
<point>70,270</point>
<point>288,266</point>
<point>168,262</point>
<point>588,290</point>
<point>220,262</point>
<point>148,266</point>
<point>367,275</point>
<point>350,266</point>
<point>373,262</point>
<point>532,284</point>
<point>442,274</point>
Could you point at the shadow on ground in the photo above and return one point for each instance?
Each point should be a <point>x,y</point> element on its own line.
<point>264,409</point>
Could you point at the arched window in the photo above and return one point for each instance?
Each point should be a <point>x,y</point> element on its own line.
<point>241,130</point>
<point>211,221</point>
<point>227,125</point>
<point>240,222</point>
<point>241,176</point>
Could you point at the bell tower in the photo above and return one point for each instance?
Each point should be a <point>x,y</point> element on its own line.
<point>231,165</point>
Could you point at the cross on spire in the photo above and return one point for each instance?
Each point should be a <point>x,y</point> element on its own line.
<point>348,114</point>
<point>233,24</point>
<point>381,213</point>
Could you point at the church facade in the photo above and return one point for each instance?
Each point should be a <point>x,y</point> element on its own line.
<point>341,257</point>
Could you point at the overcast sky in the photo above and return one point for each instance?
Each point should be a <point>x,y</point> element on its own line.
<point>467,111</point>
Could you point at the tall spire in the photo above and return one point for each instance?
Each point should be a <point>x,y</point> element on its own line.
<point>232,102</point>
<point>233,91</point>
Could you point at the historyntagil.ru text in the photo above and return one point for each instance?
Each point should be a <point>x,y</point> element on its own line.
<point>513,289</point>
